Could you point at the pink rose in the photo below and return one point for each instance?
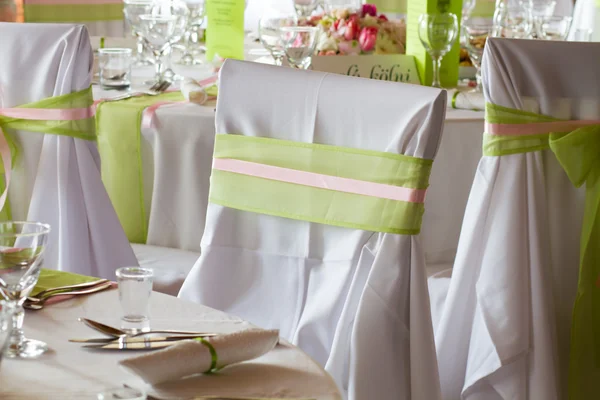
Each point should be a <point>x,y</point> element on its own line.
<point>349,48</point>
<point>352,30</point>
<point>367,38</point>
<point>369,9</point>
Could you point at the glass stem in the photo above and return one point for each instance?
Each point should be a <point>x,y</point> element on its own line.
<point>158,67</point>
<point>17,336</point>
<point>278,60</point>
<point>140,48</point>
<point>437,61</point>
<point>479,86</point>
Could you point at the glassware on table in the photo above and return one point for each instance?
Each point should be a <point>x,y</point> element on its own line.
<point>158,33</point>
<point>304,8</point>
<point>538,9</point>
<point>22,246</point>
<point>476,32</point>
<point>299,43</point>
<point>512,21</point>
<point>351,5</point>
<point>192,40</point>
<point>7,312</point>
<point>582,35</point>
<point>135,287</point>
<point>115,68</point>
<point>554,28</point>
<point>269,32</point>
<point>437,33</point>
<point>132,9</point>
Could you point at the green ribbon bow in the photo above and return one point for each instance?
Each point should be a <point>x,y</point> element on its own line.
<point>578,152</point>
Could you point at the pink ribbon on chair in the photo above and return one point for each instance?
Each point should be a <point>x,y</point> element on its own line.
<point>36,114</point>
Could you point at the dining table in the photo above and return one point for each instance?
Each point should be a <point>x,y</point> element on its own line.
<point>70,371</point>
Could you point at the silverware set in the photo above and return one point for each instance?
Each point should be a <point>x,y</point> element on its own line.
<point>156,89</point>
<point>38,301</point>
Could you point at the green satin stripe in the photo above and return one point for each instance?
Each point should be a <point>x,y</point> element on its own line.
<point>345,162</point>
<point>50,278</point>
<point>73,12</point>
<point>80,129</point>
<point>317,205</point>
<point>213,355</point>
<point>578,153</point>
<point>118,124</point>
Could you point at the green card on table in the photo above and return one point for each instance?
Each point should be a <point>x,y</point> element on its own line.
<point>225,30</point>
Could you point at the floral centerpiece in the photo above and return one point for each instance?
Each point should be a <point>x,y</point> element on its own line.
<point>344,32</point>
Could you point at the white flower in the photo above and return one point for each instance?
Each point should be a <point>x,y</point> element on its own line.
<point>327,43</point>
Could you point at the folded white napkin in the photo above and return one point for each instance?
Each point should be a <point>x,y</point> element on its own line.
<point>193,91</point>
<point>466,100</point>
<point>191,357</point>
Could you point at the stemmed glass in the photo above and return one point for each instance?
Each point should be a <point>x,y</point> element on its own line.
<point>304,8</point>
<point>132,9</point>
<point>158,33</point>
<point>269,32</point>
<point>476,32</point>
<point>512,21</point>
<point>22,246</point>
<point>193,34</point>
<point>299,43</point>
<point>538,10</point>
<point>437,33</point>
<point>180,10</point>
<point>554,28</point>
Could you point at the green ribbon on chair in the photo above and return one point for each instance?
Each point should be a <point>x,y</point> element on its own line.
<point>118,124</point>
<point>79,129</point>
<point>578,152</point>
<point>55,11</point>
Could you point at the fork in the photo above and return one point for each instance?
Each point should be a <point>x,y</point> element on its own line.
<point>40,304</point>
<point>156,89</point>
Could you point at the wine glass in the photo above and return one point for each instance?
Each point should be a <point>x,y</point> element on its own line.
<point>22,246</point>
<point>158,32</point>
<point>350,5</point>
<point>193,34</point>
<point>304,8</point>
<point>269,32</point>
<point>554,28</point>
<point>437,33</point>
<point>512,21</point>
<point>476,32</point>
<point>132,9</point>
<point>538,10</point>
<point>299,43</point>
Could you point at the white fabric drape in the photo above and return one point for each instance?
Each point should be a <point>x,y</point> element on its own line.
<point>356,301</point>
<point>56,179</point>
<point>504,329</point>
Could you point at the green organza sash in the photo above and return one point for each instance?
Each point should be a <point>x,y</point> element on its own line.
<point>331,207</point>
<point>78,128</point>
<point>578,151</point>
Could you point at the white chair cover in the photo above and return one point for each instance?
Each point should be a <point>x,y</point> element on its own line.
<point>586,15</point>
<point>56,179</point>
<point>504,330</point>
<point>355,301</point>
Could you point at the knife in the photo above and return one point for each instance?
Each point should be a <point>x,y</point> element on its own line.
<point>119,345</point>
<point>141,339</point>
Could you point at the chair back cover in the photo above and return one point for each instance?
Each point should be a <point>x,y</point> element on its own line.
<point>56,179</point>
<point>586,17</point>
<point>505,327</point>
<point>356,301</point>
<point>101,17</point>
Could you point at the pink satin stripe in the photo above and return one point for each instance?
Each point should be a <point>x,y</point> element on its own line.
<point>149,112</point>
<point>48,114</point>
<point>536,128</point>
<point>321,181</point>
<point>59,2</point>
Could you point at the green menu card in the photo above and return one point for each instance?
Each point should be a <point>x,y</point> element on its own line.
<point>449,68</point>
<point>225,28</point>
<point>393,7</point>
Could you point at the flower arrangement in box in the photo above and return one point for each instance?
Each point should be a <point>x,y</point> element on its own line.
<point>353,33</point>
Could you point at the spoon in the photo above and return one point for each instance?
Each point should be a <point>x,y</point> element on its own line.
<point>118,333</point>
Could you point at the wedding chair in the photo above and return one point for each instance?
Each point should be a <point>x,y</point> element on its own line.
<point>507,329</point>
<point>586,17</point>
<point>339,274</point>
<point>101,17</point>
<point>55,177</point>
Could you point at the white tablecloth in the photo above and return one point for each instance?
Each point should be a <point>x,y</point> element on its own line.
<point>70,372</point>
<point>177,157</point>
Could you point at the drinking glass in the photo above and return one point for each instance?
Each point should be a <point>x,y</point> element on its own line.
<point>437,33</point>
<point>6,324</point>
<point>476,32</point>
<point>269,32</point>
<point>115,68</point>
<point>538,9</point>
<point>193,34</point>
<point>135,287</point>
<point>22,246</point>
<point>158,32</point>
<point>299,43</point>
<point>512,21</point>
<point>555,28</point>
<point>351,5</point>
<point>304,8</point>
<point>132,9</point>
